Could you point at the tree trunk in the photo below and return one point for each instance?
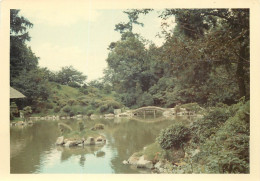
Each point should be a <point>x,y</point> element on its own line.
<point>241,72</point>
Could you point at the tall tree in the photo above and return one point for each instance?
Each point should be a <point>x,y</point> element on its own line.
<point>21,56</point>
<point>221,36</point>
<point>70,76</point>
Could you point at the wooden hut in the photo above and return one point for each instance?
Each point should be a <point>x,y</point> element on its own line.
<point>14,94</point>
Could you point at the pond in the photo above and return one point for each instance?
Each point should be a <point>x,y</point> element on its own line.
<point>33,148</point>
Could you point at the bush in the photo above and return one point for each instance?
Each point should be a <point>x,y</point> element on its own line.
<point>174,136</point>
<point>81,125</point>
<point>72,102</point>
<point>230,145</point>
<point>146,99</point>
<point>49,106</point>
<point>215,118</point>
<point>66,109</point>
<point>191,107</point>
<point>56,109</point>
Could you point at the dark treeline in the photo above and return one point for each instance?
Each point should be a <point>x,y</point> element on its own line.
<point>204,59</point>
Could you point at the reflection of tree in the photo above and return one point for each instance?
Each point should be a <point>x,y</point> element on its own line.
<point>100,154</point>
<point>36,140</point>
<point>82,160</point>
<point>130,137</point>
<point>74,151</point>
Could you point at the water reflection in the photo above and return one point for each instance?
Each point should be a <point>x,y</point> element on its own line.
<point>33,149</point>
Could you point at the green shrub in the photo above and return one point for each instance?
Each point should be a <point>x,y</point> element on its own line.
<point>72,102</point>
<point>56,109</point>
<point>27,111</point>
<point>225,147</point>
<point>81,125</point>
<point>103,108</point>
<point>218,114</point>
<point>66,109</point>
<point>173,136</point>
<point>89,112</point>
<point>49,106</point>
<point>191,107</point>
<point>58,86</point>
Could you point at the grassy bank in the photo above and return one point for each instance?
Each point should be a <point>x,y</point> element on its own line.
<point>217,143</point>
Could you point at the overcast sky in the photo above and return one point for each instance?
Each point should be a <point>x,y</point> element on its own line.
<point>81,37</point>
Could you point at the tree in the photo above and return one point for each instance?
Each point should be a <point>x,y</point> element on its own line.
<point>133,16</point>
<point>70,76</point>
<point>21,57</point>
<point>34,86</point>
<point>215,36</point>
<point>126,65</point>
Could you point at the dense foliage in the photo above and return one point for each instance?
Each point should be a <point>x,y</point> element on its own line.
<point>205,59</point>
<point>173,136</point>
<point>223,144</point>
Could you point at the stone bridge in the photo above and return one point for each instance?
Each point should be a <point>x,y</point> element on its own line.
<point>152,110</point>
<point>148,110</point>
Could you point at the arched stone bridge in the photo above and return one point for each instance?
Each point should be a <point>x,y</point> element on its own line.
<point>152,110</point>
<point>149,109</point>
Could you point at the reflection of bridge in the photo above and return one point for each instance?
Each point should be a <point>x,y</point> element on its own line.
<point>150,120</point>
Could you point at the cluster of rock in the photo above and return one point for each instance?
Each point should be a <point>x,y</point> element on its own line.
<point>161,166</point>
<point>21,123</point>
<point>139,162</point>
<point>82,142</point>
<point>106,116</point>
<point>56,117</point>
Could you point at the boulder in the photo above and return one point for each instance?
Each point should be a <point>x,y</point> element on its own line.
<point>20,123</point>
<point>79,116</point>
<point>109,115</point>
<point>100,140</point>
<point>159,165</point>
<point>78,142</point>
<point>70,143</point>
<point>60,140</point>
<point>65,141</point>
<point>142,163</point>
<point>89,141</point>
<point>133,159</point>
<point>94,116</point>
<point>30,122</point>
<point>13,123</point>
<point>125,162</point>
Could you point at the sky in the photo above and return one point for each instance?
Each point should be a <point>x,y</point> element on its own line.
<point>80,37</point>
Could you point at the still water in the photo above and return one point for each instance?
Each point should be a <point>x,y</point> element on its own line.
<point>33,148</point>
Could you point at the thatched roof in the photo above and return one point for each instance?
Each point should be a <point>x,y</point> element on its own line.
<point>14,94</point>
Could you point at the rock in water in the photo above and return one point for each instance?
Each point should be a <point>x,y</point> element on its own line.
<point>142,163</point>
<point>133,159</point>
<point>60,140</point>
<point>159,165</point>
<point>125,162</point>
<point>70,143</point>
<point>89,141</point>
